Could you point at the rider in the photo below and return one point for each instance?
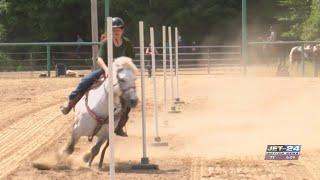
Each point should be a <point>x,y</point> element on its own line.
<point>273,35</point>
<point>121,47</point>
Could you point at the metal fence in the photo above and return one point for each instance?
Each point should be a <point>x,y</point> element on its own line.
<point>264,58</point>
<point>37,61</point>
<point>200,59</point>
<point>21,58</point>
<point>192,59</point>
<point>274,57</point>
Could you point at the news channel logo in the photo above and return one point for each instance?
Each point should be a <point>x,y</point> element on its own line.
<point>283,152</point>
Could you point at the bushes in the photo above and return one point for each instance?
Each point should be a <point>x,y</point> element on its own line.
<point>4,60</point>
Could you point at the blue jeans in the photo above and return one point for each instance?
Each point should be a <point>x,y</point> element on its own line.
<point>86,82</point>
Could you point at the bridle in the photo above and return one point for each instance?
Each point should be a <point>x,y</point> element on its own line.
<point>126,89</point>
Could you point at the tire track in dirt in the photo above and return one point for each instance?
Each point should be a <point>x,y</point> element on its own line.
<point>22,130</point>
<point>312,163</point>
<point>196,169</point>
<point>13,112</point>
<point>24,137</point>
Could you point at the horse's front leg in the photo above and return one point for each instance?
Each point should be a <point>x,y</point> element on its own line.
<point>102,154</point>
<point>72,142</point>
<point>117,119</point>
<point>94,150</point>
<point>294,68</point>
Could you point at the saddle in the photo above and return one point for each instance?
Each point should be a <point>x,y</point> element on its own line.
<point>97,83</point>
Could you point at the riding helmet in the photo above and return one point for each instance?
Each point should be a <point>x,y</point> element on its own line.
<point>117,22</point>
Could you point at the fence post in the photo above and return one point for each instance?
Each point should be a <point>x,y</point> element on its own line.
<point>208,60</point>
<point>244,37</point>
<point>49,60</point>
<point>94,31</point>
<point>302,60</point>
<point>315,65</point>
<point>31,62</point>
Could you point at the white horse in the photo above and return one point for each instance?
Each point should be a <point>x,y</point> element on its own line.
<point>295,56</point>
<point>296,53</point>
<point>97,101</point>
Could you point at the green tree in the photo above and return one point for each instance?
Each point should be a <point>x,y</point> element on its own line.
<point>311,27</point>
<point>35,20</point>
<point>208,21</point>
<point>291,16</point>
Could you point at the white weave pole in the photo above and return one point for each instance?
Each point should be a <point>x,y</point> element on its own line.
<point>157,139</point>
<point>143,103</point>
<point>110,97</point>
<point>173,107</point>
<point>144,165</point>
<point>164,58</point>
<point>155,103</point>
<point>171,64</point>
<point>178,100</point>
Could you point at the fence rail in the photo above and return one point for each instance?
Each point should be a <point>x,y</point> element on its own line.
<point>23,57</point>
<point>190,57</point>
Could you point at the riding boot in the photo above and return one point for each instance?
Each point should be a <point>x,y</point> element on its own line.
<point>65,109</point>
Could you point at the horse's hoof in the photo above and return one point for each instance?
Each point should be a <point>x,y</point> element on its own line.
<point>69,149</point>
<point>100,168</point>
<point>86,157</point>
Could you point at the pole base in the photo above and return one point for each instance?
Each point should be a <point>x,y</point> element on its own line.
<point>157,142</point>
<point>178,101</point>
<point>174,110</point>
<point>43,75</point>
<point>145,165</point>
<point>157,139</point>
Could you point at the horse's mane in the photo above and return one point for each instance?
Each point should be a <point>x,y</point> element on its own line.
<point>125,62</point>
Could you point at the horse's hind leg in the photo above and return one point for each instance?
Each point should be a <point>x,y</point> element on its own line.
<point>94,150</point>
<point>102,154</point>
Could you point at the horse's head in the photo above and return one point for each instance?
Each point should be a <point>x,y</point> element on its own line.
<point>125,73</point>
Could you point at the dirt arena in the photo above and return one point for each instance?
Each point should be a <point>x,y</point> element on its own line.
<point>222,132</point>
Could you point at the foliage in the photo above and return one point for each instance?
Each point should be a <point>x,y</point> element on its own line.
<point>203,21</point>
<point>4,60</point>
<point>311,27</point>
<point>61,20</point>
<point>292,17</point>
